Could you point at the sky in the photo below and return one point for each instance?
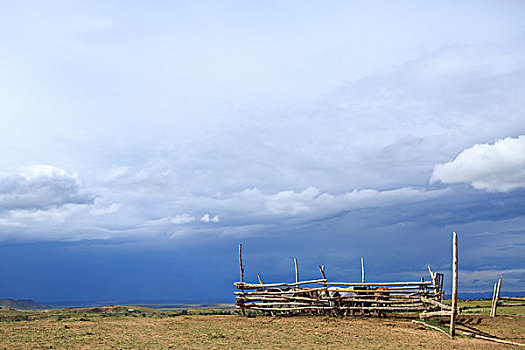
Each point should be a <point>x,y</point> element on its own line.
<point>141,142</point>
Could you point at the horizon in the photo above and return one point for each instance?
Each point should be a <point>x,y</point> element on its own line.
<point>142,142</point>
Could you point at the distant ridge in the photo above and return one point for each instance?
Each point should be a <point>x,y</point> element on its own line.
<point>21,304</point>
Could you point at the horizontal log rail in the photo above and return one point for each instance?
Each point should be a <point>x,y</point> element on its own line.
<point>379,284</point>
<point>273,285</point>
<point>512,298</point>
<point>510,304</point>
<point>326,300</point>
<point>378,308</point>
<point>436,303</point>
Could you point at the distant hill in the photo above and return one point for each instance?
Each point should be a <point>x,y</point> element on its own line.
<point>21,304</point>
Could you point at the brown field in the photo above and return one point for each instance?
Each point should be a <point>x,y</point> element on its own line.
<point>115,328</point>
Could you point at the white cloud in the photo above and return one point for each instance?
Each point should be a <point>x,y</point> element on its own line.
<point>182,219</point>
<point>113,207</point>
<point>498,167</point>
<point>207,218</point>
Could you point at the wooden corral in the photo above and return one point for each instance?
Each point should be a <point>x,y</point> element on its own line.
<point>323,297</point>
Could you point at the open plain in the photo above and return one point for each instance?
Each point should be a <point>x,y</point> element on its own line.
<point>116,328</point>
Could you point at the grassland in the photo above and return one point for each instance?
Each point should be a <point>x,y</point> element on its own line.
<point>115,328</point>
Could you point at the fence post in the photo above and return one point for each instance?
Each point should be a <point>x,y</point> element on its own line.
<point>496,298</point>
<point>296,272</point>
<point>454,284</point>
<point>242,276</point>
<point>363,270</point>
<point>493,298</point>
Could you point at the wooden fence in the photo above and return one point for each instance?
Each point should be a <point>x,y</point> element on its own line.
<point>343,298</point>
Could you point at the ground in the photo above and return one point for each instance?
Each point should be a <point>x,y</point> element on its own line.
<point>116,328</point>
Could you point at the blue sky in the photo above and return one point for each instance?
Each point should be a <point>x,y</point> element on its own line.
<point>141,142</point>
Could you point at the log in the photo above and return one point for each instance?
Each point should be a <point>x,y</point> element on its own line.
<point>296,271</point>
<point>241,272</point>
<point>240,263</point>
<point>493,299</point>
<point>497,340</point>
<point>398,309</point>
<point>496,299</point>
<point>271,285</point>
<point>435,313</point>
<point>511,304</point>
<point>512,298</point>
<point>260,281</point>
<point>363,270</point>
<point>436,303</point>
<point>301,291</point>
<point>380,284</point>
<point>454,283</point>
<point>433,327</point>
<point>326,300</point>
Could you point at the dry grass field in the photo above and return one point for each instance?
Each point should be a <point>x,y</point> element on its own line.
<point>116,328</point>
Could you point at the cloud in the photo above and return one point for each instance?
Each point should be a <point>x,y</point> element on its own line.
<point>498,167</point>
<point>113,207</point>
<point>312,203</point>
<point>41,187</point>
<point>182,219</point>
<point>206,218</point>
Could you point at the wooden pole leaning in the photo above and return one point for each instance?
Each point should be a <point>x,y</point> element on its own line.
<point>493,298</point>
<point>321,268</point>
<point>454,284</point>
<point>363,270</point>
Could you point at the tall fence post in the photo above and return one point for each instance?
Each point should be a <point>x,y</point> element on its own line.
<point>296,271</point>
<point>495,298</point>
<point>242,276</point>
<point>454,284</point>
<point>363,270</point>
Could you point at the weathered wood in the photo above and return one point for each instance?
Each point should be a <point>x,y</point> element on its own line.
<point>302,291</point>
<point>433,327</point>
<point>512,298</point>
<point>379,284</point>
<point>363,270</point>
<point>496,298</point>
<point>260,281</point>
<point>436,303</point>
<point>493,299</point>
<point>326,300</point>
<point>434,313</point>
<point>296,271</point>
<point>241,274</point>
<point>502,341</point>
<point>454,283</point>
<point>511,304</point>
<point>272,285</point>
<point>371,308</point>
<point>240,263</point>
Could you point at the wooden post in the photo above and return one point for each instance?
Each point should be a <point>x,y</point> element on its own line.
<point>240,263</point>
<point>493,298</point>
<point>242,276</point>
<point>454,284</point>
<point>363,270</point>
<point>260,280</point>
<point>496,298</point>
<point>296,271</point>
<point>321,268</point>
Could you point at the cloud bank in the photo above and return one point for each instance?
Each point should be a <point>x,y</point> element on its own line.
<point>498,167</point>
